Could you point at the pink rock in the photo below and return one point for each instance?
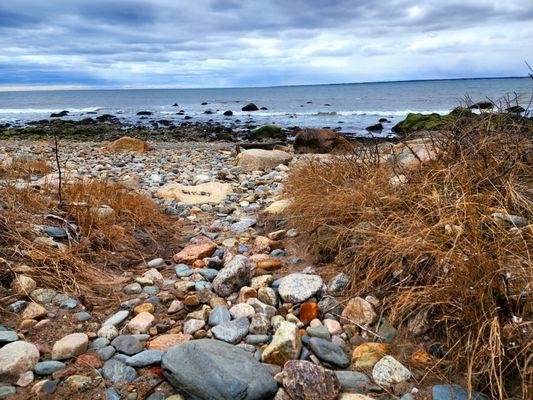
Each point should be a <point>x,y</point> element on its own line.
<point>141,323</point>
<point>334,327</point>
<point>314,323</point>
<point>193,252</point>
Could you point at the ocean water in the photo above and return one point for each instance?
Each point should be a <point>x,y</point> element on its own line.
<point>349,107</point>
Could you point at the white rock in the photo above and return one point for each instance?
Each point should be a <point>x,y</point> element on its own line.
<point>70,346</point>
<point>17,358</point>
<point>388,371</point>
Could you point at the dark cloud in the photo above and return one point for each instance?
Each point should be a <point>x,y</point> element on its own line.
<point>230,42</point>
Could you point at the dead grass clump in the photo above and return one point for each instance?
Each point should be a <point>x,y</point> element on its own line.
<point>100,218</point>
<point>426,239</point>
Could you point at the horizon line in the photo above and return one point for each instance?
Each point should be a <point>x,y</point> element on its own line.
<point>43,88</point>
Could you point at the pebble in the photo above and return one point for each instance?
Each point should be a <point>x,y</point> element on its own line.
<point>219,315</point>
<point>118,372</point>
<point>70,346</point>
<point>231,331</point>
<point>388,371</point>
<point>329,352</point>
<point>8,337</point>
<point>127,344</point>
<point>117,318</point>
<point>133,288</point>
<point>145,358</point>
<point>297,287</point>
<point>49,367</point>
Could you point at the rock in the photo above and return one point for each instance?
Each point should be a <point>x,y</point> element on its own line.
<point>242,310</point>
<point>49,367</point>
<point>34,311</point>
<point>388,371</point>
<point>217,371</point>
<point>304,380</point>
<point>25,379</point>
<point>145,358</point>
<point>366,355</point>
<point>319,332</point>
<point>258,159</point>
<point>260,324</point>
<point>219,315</point>
<point>70,346</point>
<point>192,326</point>
<point>126,143</point>
<point>278,207</point>
<point>250,107</point>
<point>268,296</point>
<point>358,311</point>
<point>133,288</point>
<point>509,219</point>
<point>261,308</point>
<point>195,251</point>
<point>286,345</point>
<point>313,140</point>
<point>236,274</point>
<point>78,382</point>
<point>419,122</point>
<point>243,225</point>
<point>7,391</point>
<point>43,296</point>
<point>375,128</point>
<point>267,132</point>
<point>350,380</point>
<point>271,264</point>
<point>175,306</point>
<point>308,312</point>
<point>23,284</point>
<point>297,287</point>
<point>144,307</point>
<point>454,392</point>
<point>127,344</point>
<point>117,318</point>
<point>338,284</point>
<point>17,358</point>
<point>141,323</point>
<point>82,316</point>
<point>118,372</point>
<point>108,332</point>
<point>231,331</point>
<point>329,352</point>
<point>165,342</point>
<point>206,193</point>
<point>8,337</point>
<point>333,326</point>
<point>228,113</point>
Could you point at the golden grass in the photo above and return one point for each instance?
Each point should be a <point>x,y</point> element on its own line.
<point>431,244</point>
<point>78,267</point>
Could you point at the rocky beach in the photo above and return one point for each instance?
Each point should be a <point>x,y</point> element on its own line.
<point>225,300</point>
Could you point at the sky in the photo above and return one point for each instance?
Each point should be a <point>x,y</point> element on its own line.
<point>230,43</point>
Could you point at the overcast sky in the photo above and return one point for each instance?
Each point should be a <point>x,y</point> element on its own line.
<point>221,43</point>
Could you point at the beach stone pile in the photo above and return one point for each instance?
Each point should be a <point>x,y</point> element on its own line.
<point>232,315</point>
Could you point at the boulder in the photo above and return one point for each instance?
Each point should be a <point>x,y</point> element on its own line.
<point>320,141</point>
<point>258,159</point>
<point>213,370</point>
<point>419,122</point>
<point>375,128</point>
<point>228,113</point>
<point>286,345</point>
<point>250,107</point>
<point>304,380</point>
<point>329,352</point>
<point>195,251</point>
<point>127,143</point>
<point>267,132</point>
<point>205,193</point>
<point>17,358</point>
<point>278,207</point>
<point>70,346</point>
<point>236,274</point>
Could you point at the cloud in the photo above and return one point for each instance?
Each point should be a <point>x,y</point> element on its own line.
<point>209,43</point>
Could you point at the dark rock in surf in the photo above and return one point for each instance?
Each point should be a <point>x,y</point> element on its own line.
<point>209,112</point>
<point>375,128</point>
<point>264,108</point>
<point>228,113</point>
<point>515,110</point>
<point>144,113</point>
<point>204,103</point>
<point>175,105</point>
<point>250,107</point>
<point>383,120</point>
<point>187,117</point>
<point>63,113</point>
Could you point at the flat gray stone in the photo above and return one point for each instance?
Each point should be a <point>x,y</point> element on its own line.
<point>144,358</point>
<point>49,367</point>
<point>231,331</point>
<point>118,372</point>
<point>297,287</point>
<point>329,352</point>
<point>117,318</point>
<point>217,371</point>
<point>127,344</point>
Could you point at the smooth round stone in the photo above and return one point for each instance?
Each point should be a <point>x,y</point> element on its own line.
<point>145,358</point>
<point>106,353</point>
<point>208,273</point>
<point>100,343</point>
<point>127,344</point>
<point>329,352</point>
<point>117,318</point>
<point>118,372</point>
<point>219,315</point>
<point>319,332</point>
<point>156,262</point>
<point>82,316</point>
<point>453,392</point>
<point>133,288</point>
<point>49,367</point>
<point>55,232</point>
<point>350,380</point>
<point>203,285</point>
<point>183,270</point>
<point>257,339</point>
<point>277,253</point>
<point>7,391</point>
<point>151,290</point>
<point>8,337</point>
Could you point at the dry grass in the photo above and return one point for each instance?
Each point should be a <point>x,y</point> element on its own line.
<point>430,245</point>
<point>78,265</point>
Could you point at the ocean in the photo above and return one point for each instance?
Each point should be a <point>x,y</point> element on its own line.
<point>347,107</point>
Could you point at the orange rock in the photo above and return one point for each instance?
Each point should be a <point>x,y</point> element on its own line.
<point>157,371</point>
<point>191,300</point>
<point>193,252</point>
<point>198,264</point>
<point>421,356</point>
<point>358,311</point>
<point>127,143</point>
<point>246,293</point>
<point>367,354</point>
<point>144,307</point>
<point>165,342</point>
<point>90,359</point>
<point>308,312</point>
<point>270,264</point>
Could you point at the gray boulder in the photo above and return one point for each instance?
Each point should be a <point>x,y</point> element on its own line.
<point>212,370</point>
<point>236,274</point>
